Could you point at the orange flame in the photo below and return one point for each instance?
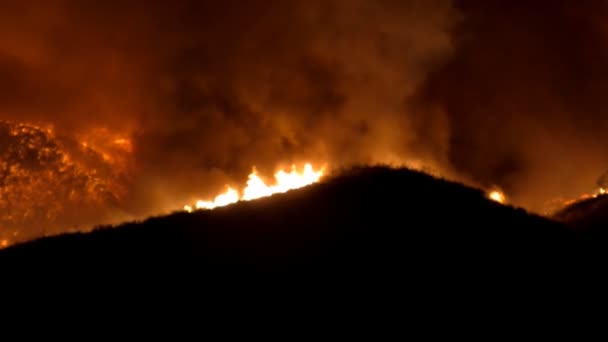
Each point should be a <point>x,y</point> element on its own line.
<point>257,188</point>
<point>45,175</point>
<point>497,196</point>
<point>583,197</point>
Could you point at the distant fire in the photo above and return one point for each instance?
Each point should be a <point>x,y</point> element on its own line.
<point>557,204</point>
<point>52,182</point>
<point>497,196</point>
<point>583,197</point>
<point>257,188</point>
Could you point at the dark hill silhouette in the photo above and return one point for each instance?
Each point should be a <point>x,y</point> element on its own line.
<point>367,220</point>
<point>589,219</point>
<point>585,215</point>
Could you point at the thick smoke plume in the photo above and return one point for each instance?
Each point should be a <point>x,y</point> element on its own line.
<point>201,91</point>
<point>524,92</point>
<point>170,101</point>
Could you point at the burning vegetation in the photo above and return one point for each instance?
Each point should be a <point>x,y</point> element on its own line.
<point>50,182</point>
<point>350,82</point>
<point>497,196</point>
<point>257,188</point>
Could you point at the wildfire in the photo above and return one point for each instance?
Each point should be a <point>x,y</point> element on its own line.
<point>45,175</point>
<point>583,197</point>
<point>497,196</point>
<point>123,143</point>
<point>257,188</point>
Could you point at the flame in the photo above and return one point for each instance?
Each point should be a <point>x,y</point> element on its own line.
<point>555,205</point>
<point>257,188</point>
<point>497,196</point>
<point>45,175</point>
<point>229,197</point>
<point>583,197</point>
<point>124,144</point>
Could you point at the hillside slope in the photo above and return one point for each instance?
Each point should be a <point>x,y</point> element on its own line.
<point>585,215</point>
<point>368,219</point>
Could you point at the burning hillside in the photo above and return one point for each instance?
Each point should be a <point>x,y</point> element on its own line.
<point>157,105</point>
<point>366,219</point>
<point>49,181</point>
<point>257,188</point>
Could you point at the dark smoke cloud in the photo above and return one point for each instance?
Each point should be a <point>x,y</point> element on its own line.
<point>497,93</point>
<point>290,81</point>
<point>207,89</point>
<point>525,95</point>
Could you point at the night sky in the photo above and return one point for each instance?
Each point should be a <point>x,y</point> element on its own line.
<point>492,93</point>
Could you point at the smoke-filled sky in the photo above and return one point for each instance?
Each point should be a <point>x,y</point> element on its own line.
<point>524,93</point>
<point>499,93</point>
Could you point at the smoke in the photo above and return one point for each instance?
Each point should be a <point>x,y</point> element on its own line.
<point>524,92</point>
<point>204,90</point>
<point>499,93</point>
<point>283,82</point>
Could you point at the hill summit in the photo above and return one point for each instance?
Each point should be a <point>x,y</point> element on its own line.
<point>366,219</point>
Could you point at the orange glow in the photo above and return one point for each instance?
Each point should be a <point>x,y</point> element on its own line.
<point>46,175</point>
<point>4,243</point>
<point>558,204</point>
<point>124,144</point>
<point>229,197</point>
<point>257,188</point>
<point>497,196</point>
<point>599,192</point>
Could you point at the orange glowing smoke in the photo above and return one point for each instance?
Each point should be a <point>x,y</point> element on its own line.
<point>257,188</point>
